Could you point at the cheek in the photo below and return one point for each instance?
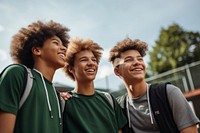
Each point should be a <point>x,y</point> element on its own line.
<point>144,66</point>
<point>97,66</point>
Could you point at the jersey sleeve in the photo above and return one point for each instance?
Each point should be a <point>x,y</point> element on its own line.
<point>182,112</point>
<point>11,88</point>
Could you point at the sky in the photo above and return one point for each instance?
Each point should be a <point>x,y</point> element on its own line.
<point>104,21</point>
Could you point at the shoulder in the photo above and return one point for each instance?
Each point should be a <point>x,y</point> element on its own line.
<point>98,92</point>
<point>102,93</point>
<point>121,100</point>
<point>14,69</point>
<point>172,89</point>
<point>167,88</point>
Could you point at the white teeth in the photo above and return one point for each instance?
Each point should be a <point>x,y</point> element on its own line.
<point>90,70</point>
<point>137,69</point>
<point>62,55</point>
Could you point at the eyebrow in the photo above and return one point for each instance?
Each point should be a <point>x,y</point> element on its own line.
<point>55,39</point>
<point>132,56</point>
<point>85,57</point>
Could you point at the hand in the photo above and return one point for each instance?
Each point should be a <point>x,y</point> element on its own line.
<point>65,95</point>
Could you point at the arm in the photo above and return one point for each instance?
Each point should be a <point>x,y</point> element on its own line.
<point>7,122</point>
<point>184,117</point>
<point>191,129</point>
<point>65,95</point>
<point>120,131</point>
<point>11,88</point>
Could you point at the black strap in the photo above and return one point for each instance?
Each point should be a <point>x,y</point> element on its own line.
<point>161,109</point>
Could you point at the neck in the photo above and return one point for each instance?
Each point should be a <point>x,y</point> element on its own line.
<point>136,89</point>
<point>47,72</point>
<point>84,88</point>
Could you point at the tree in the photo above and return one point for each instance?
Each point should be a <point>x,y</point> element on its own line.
<point>175,47</point>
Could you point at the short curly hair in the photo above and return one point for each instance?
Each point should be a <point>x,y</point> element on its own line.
<point>34,36</point>
<point>127,44</point>
<point>77,45</point>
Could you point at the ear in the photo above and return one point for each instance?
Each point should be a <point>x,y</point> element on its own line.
<point>116,71</point>
<point>70,69</point>
<point>36,50</point>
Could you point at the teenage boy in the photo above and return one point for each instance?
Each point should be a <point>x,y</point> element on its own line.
<point>88,111</point>
<point>42,48</point>
<point>172,114</point>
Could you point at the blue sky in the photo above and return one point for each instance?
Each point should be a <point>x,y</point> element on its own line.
<point>104,21</point>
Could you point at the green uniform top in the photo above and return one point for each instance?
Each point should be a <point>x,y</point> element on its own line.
<point>34,116</point>
<point>92,114</point>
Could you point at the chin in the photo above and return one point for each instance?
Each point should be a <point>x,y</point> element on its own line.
<point>137,77</point>
<point>91,78</point>
<point>62,64</point>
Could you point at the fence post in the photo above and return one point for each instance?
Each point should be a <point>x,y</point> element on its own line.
<point>189,77</point>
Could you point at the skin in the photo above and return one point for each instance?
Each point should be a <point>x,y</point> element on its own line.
<point>7,122</point>
<point>132,72</point>
<point>85,70</point>
<point>191,129</point>
<point>48,59</point>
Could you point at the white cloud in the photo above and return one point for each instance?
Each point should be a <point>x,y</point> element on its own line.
<point>3,55</point>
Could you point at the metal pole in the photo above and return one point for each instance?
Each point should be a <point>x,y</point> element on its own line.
<point>189,77</point>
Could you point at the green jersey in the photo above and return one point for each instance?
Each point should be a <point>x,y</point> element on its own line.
<point>92,114</point>
<point>34,116</point>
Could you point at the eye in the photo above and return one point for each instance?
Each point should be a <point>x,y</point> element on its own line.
<point>56,42</point>
<point>140,58</point>
<point>94,60</point>
<point>128,59</point>
<point>83,59</point>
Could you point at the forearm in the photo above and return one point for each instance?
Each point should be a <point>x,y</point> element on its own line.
<point>191,129</point>
<point>7,122</point>
<point>120,131</point>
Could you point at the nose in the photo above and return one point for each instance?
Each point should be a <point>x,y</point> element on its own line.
<point>135,62</point>
<point>90,62</point>
<point>63,48</point>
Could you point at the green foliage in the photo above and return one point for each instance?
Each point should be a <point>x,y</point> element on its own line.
<point>175,47</point>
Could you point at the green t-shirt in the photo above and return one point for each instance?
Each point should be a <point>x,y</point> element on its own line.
<point>34,116</point>
<point>92,114</point>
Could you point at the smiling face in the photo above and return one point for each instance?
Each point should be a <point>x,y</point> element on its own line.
<point>53,53</point>
<point>133,68</point>
<point>85,66</point>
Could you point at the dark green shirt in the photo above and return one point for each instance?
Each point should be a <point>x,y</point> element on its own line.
<point>92,114</point>
<point>34,115</point>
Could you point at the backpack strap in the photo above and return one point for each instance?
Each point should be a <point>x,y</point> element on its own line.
<point>28,87</point>
<point>5,69</point>
<point>122,100</point>
<point>110,99</point>
<point>161,108</point>
<point>62,104</point>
